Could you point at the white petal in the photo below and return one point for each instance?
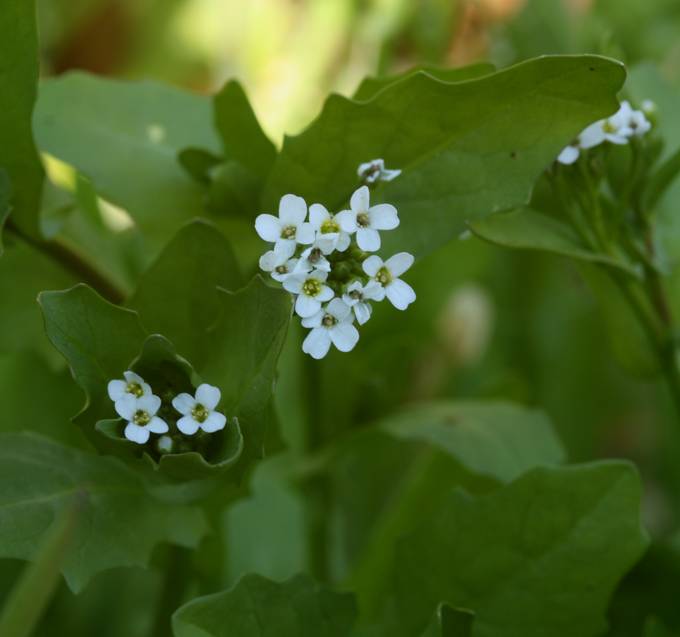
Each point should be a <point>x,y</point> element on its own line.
<point>301,266</point>
<point>343,242</point>
<point>126,406</point>
<point>327,242</point>
<point>568,155</point>
<point>157,425</point>
<point>363,312</point>
<point>116,389</point>
<point>344,336</point>
<point>372,265</point>
<point>269,261</point>
<point>317,343</point>
<point>268,227</point>
<point>364,167</point>
<point>383,217</point>
<point>135,433</point>
<point>292,210</point>
<point>313,321</point>
<point>306,306</point>
<point>319,275</point>
<point>326,294</point>
<point>208,395</point>
<point>305,234</point>
<point>347,220</point>
<point>285,248</point>
<point>389,175</point>
<point>214,422</point>
<point>131,377</point>
<point>374,291</point>
<point>150,404</point>
<point>339,309</point>
<point>399,263</point>
<point>368,239</point>
<point>360,200</point>
<point>187,425</point>
<point>293,284</point>
<point>184,403</point>
<point>317,215</point>
<point>592,135</point>
<point>400,294</point>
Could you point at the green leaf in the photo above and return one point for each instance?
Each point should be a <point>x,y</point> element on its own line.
<point>655,628</point>
<point>466,149</point>
<point>531,230</point>
<point>370,86</point>
<point>258,607</point>
<point>523,556</point>
<point>125,136</point>
<point>496,440</point>
<point>4,204</point>
<point>119,524</point>
<point>246,344</point>
<point>97,339</point>
<point>451,622</point>
<point>178,297</point>
<point>19,67</point>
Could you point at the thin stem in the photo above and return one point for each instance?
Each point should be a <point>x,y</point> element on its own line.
<point>175,581</point>
<point>72,261</point>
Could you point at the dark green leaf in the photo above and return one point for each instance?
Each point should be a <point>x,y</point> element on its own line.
<point>19,68</point>
<point>4,204</point>
<point>451,622</point>
<point>258,607</point>
<point>119,524</point>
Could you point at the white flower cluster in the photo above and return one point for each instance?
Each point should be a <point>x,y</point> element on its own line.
<point>325,262</point>
<point>135,402</point>
<point>618,129</point>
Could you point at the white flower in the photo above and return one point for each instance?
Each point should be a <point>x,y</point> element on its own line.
<point>289,228</point>
<point>366,221</point>
<point>329,235</point>
<point>358,295</point>
<point>333,324</point>
<point>400,294</point>
<point>311,290</point>
<point>165,444</point>
<point>632,122</point>
<point>140,414</point>
<point>133,385</point>
<point>312,259</point>
<point>278,265</point>
<point>375,170</point>
<point>199,412</point>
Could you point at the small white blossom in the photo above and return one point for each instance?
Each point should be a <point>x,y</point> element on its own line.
<point>311,289</point>
<point>333,324</point>
<point>140,414</point>
<point>133,385</point>
<point>199,412</point>
<point>358,295</point>
<point>375,170</point>
<point>312,259</point>
<point>648,108</point>
<point>289,228</point>
<point>165,444</point>
<point>278,265</point>
<point>633,122</point>
<point>329,235</point>
<point>387,274</point>
<point>366,220</point>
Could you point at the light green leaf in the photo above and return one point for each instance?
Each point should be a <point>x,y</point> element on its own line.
<point>178,297</point>
<point>19,67</point>
<point>450,622</point>
<point>125,136</point>
<point>497,440</point>
<point>258,607</point>
<point>523,556</point>
<point>370,86</point>
<point>466,149</point>
<point>119,522</point>
<point>530,230</point>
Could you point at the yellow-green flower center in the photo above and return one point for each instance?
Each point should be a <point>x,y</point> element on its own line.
<point>314,255</point>
<point>329,226</point>
<point>199,413</point>
<point>363,220</point>
<point>281,269</point>
<point>311,287</point>
<point>328,320</point>
<point>356,295</point>
<point>135,389</point>
<point>141,418</point>
<point>609,127</point>
<point>384,276</point>
<point>288,232</point>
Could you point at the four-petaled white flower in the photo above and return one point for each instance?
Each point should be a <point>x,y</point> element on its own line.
<point>289,228</point>
<point>311,289</point>
<point>329,235</point>
<point>140,414</point>
<point>358,295</point>
<point>366,220</point>
<point>133,384</point>
<point>387,274</point>
<point>333,325</point>
<point>199,412</point>
<point>278,264</point>
<point>372,171</point>
<point>631,121</point>
<point>312,259</point>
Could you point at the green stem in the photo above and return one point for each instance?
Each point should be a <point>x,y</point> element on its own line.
<point>72,261</point>
<point>173,588</point>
